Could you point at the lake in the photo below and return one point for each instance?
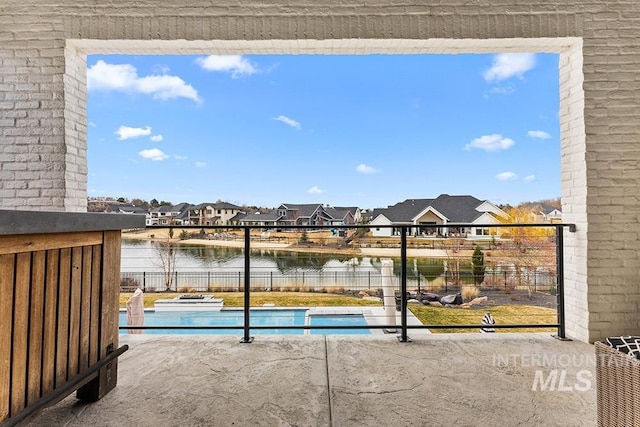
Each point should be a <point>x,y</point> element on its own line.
<point>198,266</point>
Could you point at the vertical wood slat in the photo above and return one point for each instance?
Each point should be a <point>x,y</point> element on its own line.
<point>7,267</point>
<point>62,338</point>
<point>94,332</point>
<point>109,309</point>
<point>36,319</point>
<point>110,288</point>
<point>85,307</point>
<point>50,322</point>
<point>74,312</point>
<point>20,332</point>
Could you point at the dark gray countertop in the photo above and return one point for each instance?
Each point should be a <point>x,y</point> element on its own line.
<point>35,222</point>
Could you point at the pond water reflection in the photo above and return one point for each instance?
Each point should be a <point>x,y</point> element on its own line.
<point>138,256</point>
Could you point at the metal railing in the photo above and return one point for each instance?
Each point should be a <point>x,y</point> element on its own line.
<point>500,278</point>
<point>248,280</point>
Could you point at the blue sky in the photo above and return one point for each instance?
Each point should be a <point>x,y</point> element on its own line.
<point>358,130</point>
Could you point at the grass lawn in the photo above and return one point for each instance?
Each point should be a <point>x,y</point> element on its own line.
<point>505,314</point>
<point>513,314</point>
<point>280,299</point>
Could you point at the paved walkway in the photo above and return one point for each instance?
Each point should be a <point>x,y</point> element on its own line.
<point>436,380</point>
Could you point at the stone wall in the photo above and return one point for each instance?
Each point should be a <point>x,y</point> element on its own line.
<point>43,99</point>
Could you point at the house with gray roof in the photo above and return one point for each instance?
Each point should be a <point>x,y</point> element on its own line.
<point>302,214</point>
<point>444,209</point>
<point>265,219</point>
<point>305,214</point>
<point>125,208</point>
<point>344,215</point>
<point>167,214</point>
<point>547,213</point>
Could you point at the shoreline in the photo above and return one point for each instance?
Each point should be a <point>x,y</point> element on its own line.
<point>293,247</point>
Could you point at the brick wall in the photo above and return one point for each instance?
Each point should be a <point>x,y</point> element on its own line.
<point>43,96</point>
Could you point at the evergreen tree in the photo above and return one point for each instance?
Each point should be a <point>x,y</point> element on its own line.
<point>477,263</point>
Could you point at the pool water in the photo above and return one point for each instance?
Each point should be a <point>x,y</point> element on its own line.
<point>235,317</point>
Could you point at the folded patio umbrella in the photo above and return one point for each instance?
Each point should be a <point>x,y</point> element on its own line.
<point>135,311</point>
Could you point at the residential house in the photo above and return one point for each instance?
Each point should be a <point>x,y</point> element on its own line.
<point>343,215</point>
<point>266,219</point>
<point>218,213</point>
<point>547,213</point>
<point>306,214</point>
<point>445,210</point>
<point>126,208</point>
<point>167,214</point>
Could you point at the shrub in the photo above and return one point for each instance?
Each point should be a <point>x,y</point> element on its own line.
<point>129,284</point>
<point>437,285</point>
<point>469,293</point>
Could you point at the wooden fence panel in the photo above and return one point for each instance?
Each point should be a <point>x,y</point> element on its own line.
<point>58,308</point>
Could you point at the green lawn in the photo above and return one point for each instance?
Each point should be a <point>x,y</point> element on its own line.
<point>280,299</point>
<point>507,314</point>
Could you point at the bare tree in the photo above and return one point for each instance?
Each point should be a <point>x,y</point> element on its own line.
<point>166,250</point>
<point>527,249</point>
<point>451,247</point>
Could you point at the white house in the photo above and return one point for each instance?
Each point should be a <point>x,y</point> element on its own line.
<point>547,213</point>
<point>443,210</point>
<point>218,213</point>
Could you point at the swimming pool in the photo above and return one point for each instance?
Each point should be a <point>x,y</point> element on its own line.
<point>258,317</point>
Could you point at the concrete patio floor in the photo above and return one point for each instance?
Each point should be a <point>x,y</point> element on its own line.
<point>435,380</point>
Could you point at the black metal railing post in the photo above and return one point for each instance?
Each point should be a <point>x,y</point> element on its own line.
<point>560,282</point>
<point>403,285</point>
<point>247,338</point>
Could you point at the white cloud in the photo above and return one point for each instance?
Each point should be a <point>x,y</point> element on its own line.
<point>153,154</point>
<point>234,64</point>
<point>124,78</point>
<point>315,190</point>
<point>507,176</point>
<point>538,134</point>
<point>92,124</point>
<point>286,120</point>
<point>126,132</point>
<point>507,65</point>
<point>179,157</point>
<point>362,168</point>
<point>529,178</point>
<point>503,90</point>
<point>161,69</point>
<point>200,164</point>
<point>493,142</point>
<point>156,138</point>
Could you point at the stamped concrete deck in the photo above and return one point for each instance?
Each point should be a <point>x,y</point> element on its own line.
<point>436,380</point>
